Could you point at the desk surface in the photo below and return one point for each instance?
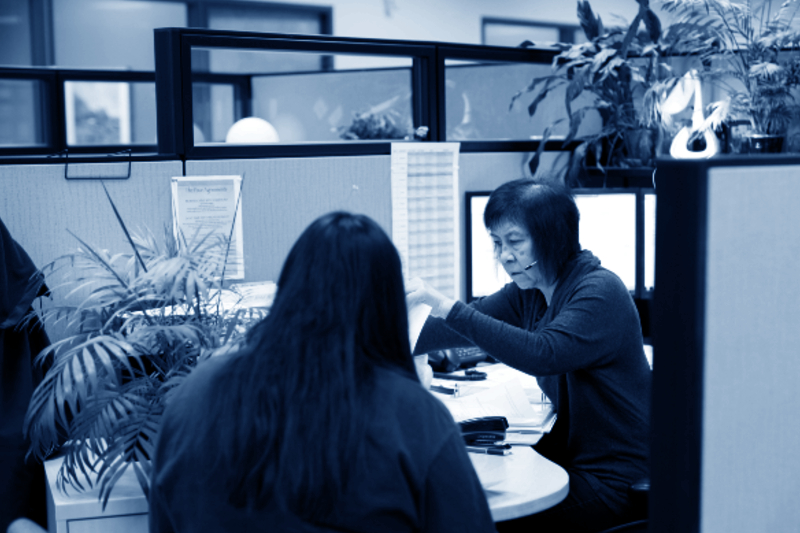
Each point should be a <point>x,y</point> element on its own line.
<point>520,484</point>
<point>516,485</point>
<point>524,482</point>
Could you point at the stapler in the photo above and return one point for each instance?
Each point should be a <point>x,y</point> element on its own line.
<point>484,431</point>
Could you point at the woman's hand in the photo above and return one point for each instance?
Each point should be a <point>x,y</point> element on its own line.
<point>419,292</point>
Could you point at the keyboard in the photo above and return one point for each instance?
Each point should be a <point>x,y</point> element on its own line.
<point>469,356</point>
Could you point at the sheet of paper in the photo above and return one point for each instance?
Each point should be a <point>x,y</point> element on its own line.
<point>203,205</point>
<point>507,399</point>
<point>498,374</point>
<point>417,316</point>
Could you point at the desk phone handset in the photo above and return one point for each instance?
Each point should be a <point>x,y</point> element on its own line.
<point>484,431</point>
<point>453,359</point>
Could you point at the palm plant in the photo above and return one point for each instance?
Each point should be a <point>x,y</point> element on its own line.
<point>607,73</point>
<point>137,324</point>
<point>741,47</point>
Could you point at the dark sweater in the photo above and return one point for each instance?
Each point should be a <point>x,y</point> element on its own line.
<point>416,475</point>
<point>587,353</point>
<point>22,490</point>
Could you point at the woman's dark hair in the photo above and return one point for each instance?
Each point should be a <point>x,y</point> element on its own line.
<point>547,210</point>
<point>290,407</point>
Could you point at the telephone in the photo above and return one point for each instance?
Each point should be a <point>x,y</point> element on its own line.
<point>453,359</point>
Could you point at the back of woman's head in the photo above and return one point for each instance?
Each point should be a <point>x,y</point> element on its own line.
<point>298,395</point>
<point>343,279</point>
<point>547,211</point>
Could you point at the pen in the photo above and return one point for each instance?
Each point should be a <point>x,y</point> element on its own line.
<point>489,450</point>
<point>524,430</point>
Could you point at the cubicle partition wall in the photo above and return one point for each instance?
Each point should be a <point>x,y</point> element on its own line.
<point>316,91</point>
<point>280,197</point>
<point>726,347</point>
<point>39,203</point>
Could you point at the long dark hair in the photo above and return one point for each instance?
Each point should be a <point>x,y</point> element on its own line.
<point>549,213</point>
<point>291,406</point>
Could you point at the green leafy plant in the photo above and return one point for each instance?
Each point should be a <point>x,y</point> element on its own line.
<point>373,126</point>
<point>742,48</point>
<point>136,325</point>
<point>604,76</point>
<point>382,122</point>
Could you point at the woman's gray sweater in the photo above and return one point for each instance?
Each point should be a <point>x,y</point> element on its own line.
<point>587,353</point>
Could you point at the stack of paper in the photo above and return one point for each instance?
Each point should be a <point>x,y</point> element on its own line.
<point>509,400</point>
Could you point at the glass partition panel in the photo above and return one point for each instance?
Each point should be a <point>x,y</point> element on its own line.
<point>296,97</point>
<point>336,105</point>
<point>109,113</point>
<point>479,96</point>
<point>20,113</point>
<point>215,109</point>
<point>143,113</point>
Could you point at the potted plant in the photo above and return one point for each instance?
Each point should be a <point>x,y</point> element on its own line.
<point>742,48</point>
<point>381,122</point>
<point>605,76</point>
<point>136,325</point>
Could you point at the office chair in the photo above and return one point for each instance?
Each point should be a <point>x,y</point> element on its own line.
<point>639,526</point>
<point>638,493</point>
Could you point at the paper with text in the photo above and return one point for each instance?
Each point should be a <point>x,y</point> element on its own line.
<point>426,212</point>
<point>508,400</point>
<point>417,315</point>
<point>210,205</point>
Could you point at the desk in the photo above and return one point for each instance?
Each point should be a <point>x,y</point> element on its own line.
<point>520,484</point>
<point>81,512</point>
<point>516,485</point>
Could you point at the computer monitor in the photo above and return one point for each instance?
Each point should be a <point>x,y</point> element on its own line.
<point>607,229</point>
<point>484,274</point>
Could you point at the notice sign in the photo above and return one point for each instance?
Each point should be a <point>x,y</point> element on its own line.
<point>204,205</point>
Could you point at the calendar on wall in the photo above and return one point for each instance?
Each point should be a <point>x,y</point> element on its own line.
<point>425,213</point>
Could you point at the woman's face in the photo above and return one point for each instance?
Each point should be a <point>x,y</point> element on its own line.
<point>513,247</point>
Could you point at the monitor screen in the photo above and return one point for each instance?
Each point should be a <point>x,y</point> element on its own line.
<point>649,241</point>
<point>607,229</point>
<point>484,273</point>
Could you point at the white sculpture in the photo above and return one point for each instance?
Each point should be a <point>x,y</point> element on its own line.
<point>676,102</point>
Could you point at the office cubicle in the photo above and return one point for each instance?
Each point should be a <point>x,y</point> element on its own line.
<point>726,346</point>
<point>207,80</point>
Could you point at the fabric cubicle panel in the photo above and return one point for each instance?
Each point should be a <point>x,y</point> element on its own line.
<point>282,196</point>
<point>750,474</point>
<point>39,205</point>
<point>726,347</point>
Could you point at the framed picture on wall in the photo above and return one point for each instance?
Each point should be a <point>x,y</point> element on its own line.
<point>97,113</point>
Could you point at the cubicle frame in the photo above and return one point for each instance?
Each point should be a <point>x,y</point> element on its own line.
<point>173,78</point>
<point>174,96</point>
<point>680,333</point>
<point>174,88</point>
